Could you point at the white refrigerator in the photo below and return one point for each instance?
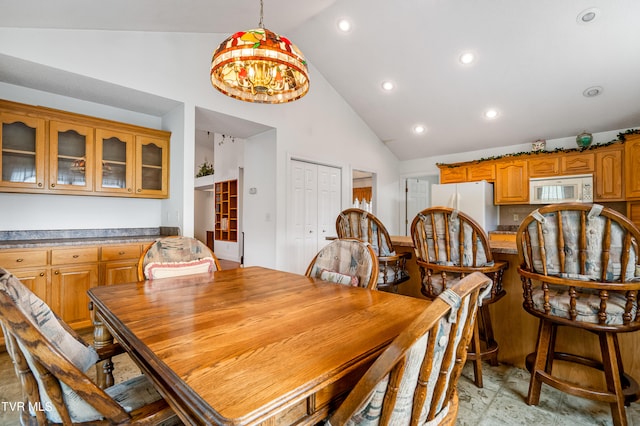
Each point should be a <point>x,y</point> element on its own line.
<point>473,198</point>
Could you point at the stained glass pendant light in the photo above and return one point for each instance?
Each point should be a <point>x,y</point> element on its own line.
<point>260,66</point>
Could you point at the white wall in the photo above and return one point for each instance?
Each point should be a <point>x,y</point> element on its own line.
<point>321,126</point>
<point>260,209</point>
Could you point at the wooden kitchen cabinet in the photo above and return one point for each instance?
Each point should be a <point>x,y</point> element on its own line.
<point>80,155</point>
<point>577,164</point>
<point>70,156</point>
<point>74,270</point>
<point>481,171</point>
<point>22,152</point>
<point>61,275</point>
<point>115,161</point>
<point>632,167</point>
<point>152,167</point>
<point>512,182</point>
<point>453,174</point>
<point>119,263</point>
<point>544,166</point>
<point>608,176</point>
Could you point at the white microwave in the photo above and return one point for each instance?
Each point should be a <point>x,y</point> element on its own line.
<point>561,189</point>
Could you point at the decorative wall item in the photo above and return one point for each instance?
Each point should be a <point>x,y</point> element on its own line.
<point>584,140</point>
<point>538,145</point>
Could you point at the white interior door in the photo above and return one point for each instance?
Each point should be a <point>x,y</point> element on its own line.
<point>315,202</point>
<point>329,183</point>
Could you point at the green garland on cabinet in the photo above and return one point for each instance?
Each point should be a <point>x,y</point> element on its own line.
<point>621,138</point>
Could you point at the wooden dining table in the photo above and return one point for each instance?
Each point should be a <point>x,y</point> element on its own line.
<point>251,345</point>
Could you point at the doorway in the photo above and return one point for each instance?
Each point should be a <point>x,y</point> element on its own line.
<point>417,197</point>
<point>364,190</point>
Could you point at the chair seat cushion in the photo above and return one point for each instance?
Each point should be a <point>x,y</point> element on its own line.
<point>452,279</point>
<point>389,275</point>
<point>156,270</point>
<point>587,304</point>
<point>131,395</point>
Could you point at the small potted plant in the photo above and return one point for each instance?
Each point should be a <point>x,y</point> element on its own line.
<point>206,169</point>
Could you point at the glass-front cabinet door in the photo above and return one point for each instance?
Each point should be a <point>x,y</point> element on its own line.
<point>71,158</point>
<point>22,151</point>
<point>152,166</point>
<point>114,161</point>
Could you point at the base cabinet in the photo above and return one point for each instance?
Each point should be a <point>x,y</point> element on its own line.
<point>62,275</point>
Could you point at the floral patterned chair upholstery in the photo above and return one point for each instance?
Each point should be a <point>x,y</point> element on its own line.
<point>51,360</point>
<point>176,256</point>
<point>346,261</point>
<point>360,224</point>
<point>448,245</point>
<point>414,380</point>
<point>579,265</point>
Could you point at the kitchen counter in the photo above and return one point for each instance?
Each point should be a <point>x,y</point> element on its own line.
<point>497,246</point>
<point>77,237</point>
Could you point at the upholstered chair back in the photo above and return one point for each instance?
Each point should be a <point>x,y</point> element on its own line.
<point>449,244</point>
<point>580,262</point>
<point>362,225</point>
<point>176,256</point>
<point>346,261</point>
<point>414,379</point>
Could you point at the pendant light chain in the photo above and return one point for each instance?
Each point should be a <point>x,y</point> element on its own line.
<point>260,24</point>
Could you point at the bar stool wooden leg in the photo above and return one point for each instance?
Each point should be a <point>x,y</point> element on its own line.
<point>476,357</point>
<point>541,361</point>
<point>612,376</point>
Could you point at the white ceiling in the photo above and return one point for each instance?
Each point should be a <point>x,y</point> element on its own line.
<point>534,59</point>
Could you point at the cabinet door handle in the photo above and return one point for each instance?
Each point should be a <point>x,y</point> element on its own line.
<point>120,253</point>
<point>57,272</point>
<point>19,260</point>
<point>75,256</point>
<point>39,184</point>
<point>53,185</point>
<point>42,274</point>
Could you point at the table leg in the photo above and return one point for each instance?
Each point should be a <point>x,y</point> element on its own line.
<point>102,338</point>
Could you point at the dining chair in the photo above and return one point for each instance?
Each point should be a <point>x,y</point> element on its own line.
<point>51,362</point>
<point>579,266</point>
<point>448,245</point>
<point>176,256</point>
<point>414,380</point>
<point>360,224</point>
<point>346,261</point>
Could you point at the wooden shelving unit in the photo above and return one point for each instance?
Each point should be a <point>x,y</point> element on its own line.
<point>227,211</point>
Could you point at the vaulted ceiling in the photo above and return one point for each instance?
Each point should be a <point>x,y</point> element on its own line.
<point>534,60</point>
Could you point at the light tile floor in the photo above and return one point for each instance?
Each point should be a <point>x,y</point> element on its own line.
<point>500,402</point>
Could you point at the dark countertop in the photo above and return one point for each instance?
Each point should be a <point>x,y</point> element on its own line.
<point>76,237</point>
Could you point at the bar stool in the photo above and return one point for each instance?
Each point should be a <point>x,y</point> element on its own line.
<point>449,245</point>
<point>578,269</point>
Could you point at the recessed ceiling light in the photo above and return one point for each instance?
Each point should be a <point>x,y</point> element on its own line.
<point>419,129</point>
<point>588,16</point>
<point>344,25</point>
<point>590,92</point>
<point>467,57</point>
<point>388,85</point>
<point>491,114</point>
